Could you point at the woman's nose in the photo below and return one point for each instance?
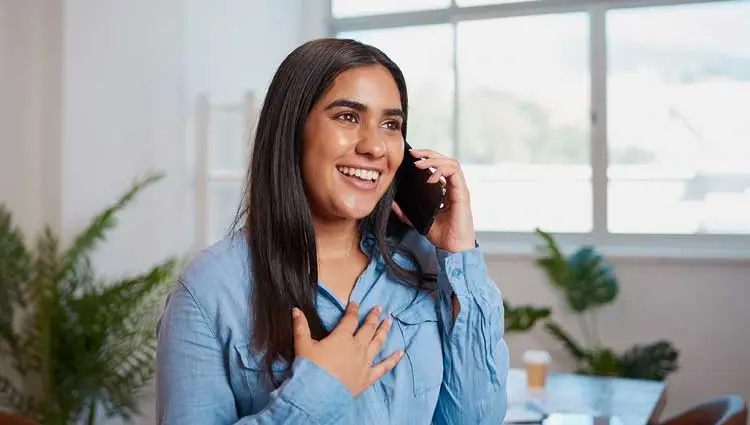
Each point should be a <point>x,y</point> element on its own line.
<point>371,142</point>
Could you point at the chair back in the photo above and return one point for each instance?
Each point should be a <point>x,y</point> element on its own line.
<point>729,409</point>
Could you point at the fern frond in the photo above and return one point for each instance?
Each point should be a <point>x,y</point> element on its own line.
<point>46,265</point>
<point>123,297</point>
<point>29,348</point>
<point>555,263</point>
<point>15,265</point>
<point>133,375</point>
<point>87,240</point>
<point>9,340</point>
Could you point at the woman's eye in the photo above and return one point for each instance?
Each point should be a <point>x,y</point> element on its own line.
<point>393,125</point>
<point>348,116</point>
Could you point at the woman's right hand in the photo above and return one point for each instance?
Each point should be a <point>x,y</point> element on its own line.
<point>348,353</point>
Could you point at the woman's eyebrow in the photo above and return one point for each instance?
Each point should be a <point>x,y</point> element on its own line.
<point>359,106</point>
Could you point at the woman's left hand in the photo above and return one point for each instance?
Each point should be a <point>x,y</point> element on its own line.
<point>453,229</point>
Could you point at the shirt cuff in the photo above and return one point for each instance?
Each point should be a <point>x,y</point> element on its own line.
<point>316,392</point>
<point>463,269</point>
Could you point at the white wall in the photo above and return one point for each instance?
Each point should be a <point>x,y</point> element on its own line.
<point>93,97</point>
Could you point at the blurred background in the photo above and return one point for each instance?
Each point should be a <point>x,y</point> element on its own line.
<point>620,124</point>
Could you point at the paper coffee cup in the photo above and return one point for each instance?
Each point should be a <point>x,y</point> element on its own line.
<point>537,364</point>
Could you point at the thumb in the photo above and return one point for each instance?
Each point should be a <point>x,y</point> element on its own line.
<point>301,329</point>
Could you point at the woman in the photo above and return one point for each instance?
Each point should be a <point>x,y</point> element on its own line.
<point>325,308</point>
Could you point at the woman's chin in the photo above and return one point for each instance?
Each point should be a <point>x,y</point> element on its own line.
<point>356,211</point>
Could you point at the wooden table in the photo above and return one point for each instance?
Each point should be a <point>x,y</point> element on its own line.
<point>614,400</point>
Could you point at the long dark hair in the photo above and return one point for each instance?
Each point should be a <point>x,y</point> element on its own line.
<point>278,220</point>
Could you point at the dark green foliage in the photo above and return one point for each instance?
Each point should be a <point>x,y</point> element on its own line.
<point>78,342</point>
<point>523,318</point>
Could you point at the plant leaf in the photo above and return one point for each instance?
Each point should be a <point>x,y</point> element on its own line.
<point>554,264</point>
<point>523,318</point>
<point>592,280</point>
<point>15,265</point>
<point>654,361</point>
<point>601,362</point>
<point>557,332</point>
<point>87,240</point>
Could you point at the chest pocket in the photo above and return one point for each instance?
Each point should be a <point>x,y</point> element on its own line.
<point>253,392</point>
<point>418,325</point>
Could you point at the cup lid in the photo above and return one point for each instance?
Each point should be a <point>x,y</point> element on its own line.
<point>536,356</point>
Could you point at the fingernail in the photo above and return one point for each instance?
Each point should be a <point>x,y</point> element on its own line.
<point>401,354</point>
<point>296,312</point>
<point>378,309</point>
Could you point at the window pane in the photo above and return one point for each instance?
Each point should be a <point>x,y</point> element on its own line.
<point>678,128</point>
<point>224,201</point>
<point>524,121</point>
<point>347,8</point>
<point>227,140</point>
<point>425,56</point>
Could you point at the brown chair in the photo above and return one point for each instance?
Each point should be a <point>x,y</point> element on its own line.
<point>725,410</point>
<point>7,418</point>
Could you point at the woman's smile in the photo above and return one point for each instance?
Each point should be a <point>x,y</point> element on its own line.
<point>359,177</point>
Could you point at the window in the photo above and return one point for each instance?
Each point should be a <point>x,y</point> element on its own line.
<point>524,121</point>
<point>678,119</point>
<point>605,121</point>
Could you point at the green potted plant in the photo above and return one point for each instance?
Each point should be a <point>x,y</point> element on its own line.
<point>588,283</point>
<point>75,343</point>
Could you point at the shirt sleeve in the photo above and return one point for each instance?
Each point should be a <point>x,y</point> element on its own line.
<point>194,387</point>
<point>475,354</point>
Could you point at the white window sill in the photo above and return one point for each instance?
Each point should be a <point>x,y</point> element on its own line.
<point>641,249</point>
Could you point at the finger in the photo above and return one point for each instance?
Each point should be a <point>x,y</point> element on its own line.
<point>367,330</point>
<point>436,163</point>
<point>400,213</point>
<point>381,336</point>
<point>301,329</point>
<point>426,153</point>
<point>448,169</point>
<point>349,322</point>
<point>435,177</point>
<point>380,369</point>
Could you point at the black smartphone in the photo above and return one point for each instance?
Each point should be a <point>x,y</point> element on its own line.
<point>420,201</point>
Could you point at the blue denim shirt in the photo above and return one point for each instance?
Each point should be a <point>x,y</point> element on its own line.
<point>454,372</point>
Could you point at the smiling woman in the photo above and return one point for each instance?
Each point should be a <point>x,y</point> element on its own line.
<point>264,327</point>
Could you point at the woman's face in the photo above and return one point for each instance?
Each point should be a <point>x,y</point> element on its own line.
<point>352,144</point>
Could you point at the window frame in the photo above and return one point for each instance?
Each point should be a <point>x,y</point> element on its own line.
<point>642,245</point>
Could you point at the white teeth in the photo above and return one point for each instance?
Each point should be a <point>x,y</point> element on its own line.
<point>360,173</point>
